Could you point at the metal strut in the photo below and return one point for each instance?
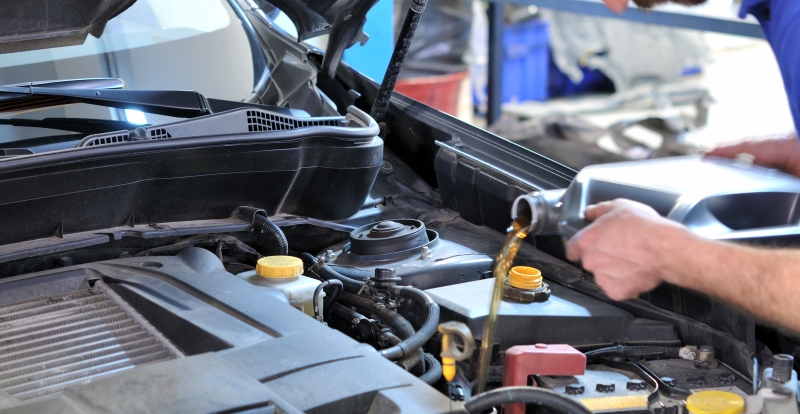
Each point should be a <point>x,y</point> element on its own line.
<point>381,104</point>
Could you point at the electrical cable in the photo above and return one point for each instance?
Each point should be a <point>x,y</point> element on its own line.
<point>621,351</point>
<point>528,395</point>
<point>265,226</point>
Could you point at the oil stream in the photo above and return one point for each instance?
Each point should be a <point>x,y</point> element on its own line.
<point>516,234</point>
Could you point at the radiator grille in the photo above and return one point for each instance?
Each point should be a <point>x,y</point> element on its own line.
<point>49,345</point>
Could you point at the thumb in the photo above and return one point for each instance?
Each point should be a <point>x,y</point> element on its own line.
<point>593,212</point>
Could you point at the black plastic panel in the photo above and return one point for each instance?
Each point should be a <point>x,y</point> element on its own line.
<point>160,181</point>
<point>37,26</point>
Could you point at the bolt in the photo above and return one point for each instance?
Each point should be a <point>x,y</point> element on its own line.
<point>425,253</point>
<point>668,381</point>
<point>782,367</point>
<point>705,354</point>
<point>605,388</point>
<point>329,256</point>
<point>387,167</point>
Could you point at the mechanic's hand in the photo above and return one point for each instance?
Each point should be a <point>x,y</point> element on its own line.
<point>628,247</point>
<point>617,6</point>
<point>782,153</point>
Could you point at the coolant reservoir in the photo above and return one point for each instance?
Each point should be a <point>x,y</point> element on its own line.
<point>285,273</point>
<point>714,197</point>
<point>715,402</point>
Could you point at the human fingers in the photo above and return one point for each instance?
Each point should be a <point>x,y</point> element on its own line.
<point>595,211</point>
<point>574,249</point>
<point>729,151</point>
<point>621,280</point>
<point>782,153</point>
<point>584,239</point>
<point>580,243</point>
<point>617,6</point>
<point>614,288</point>
<point>769,151</point>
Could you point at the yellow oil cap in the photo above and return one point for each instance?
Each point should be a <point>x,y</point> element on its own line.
<point>524,277</point>
<point>279,267</point>
<point>715,402</point>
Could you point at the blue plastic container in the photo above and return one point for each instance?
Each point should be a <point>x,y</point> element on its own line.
<point>593,81</point>
<point>526,61</point>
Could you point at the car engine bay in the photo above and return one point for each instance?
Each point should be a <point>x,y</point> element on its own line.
<point>165,298</point>
<point>288,253</point>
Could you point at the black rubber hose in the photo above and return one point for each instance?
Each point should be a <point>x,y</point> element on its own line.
<point>329,303</point>
<point>382,99</point>
<point>398,324</point>
<point>410,362</point>
<point>274,233</point>
<point>327,273</point>
<point>633,351</point>
<point>424,333</point>
<point>347,313</point>
<point>434,371</point>
<point>528,395</point>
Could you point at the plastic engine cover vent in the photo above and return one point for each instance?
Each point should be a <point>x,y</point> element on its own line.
<point>52,344</point>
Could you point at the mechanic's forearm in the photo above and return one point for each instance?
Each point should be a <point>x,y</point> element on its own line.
<point>764,282</point>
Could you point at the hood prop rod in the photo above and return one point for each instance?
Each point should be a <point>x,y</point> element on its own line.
<point>381,104</point>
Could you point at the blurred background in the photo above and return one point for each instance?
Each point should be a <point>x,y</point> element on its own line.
<point>566,78</point>
<point>583,85</point>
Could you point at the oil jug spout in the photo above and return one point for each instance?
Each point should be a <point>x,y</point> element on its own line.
<point>539,212</point>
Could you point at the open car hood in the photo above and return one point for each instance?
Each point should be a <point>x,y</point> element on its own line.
<point>342,20</point>
<point>316,17</point>
<point>57,23</point>
<point>31,24</point>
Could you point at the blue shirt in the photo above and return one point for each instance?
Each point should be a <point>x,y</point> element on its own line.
<point>780,20</point>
